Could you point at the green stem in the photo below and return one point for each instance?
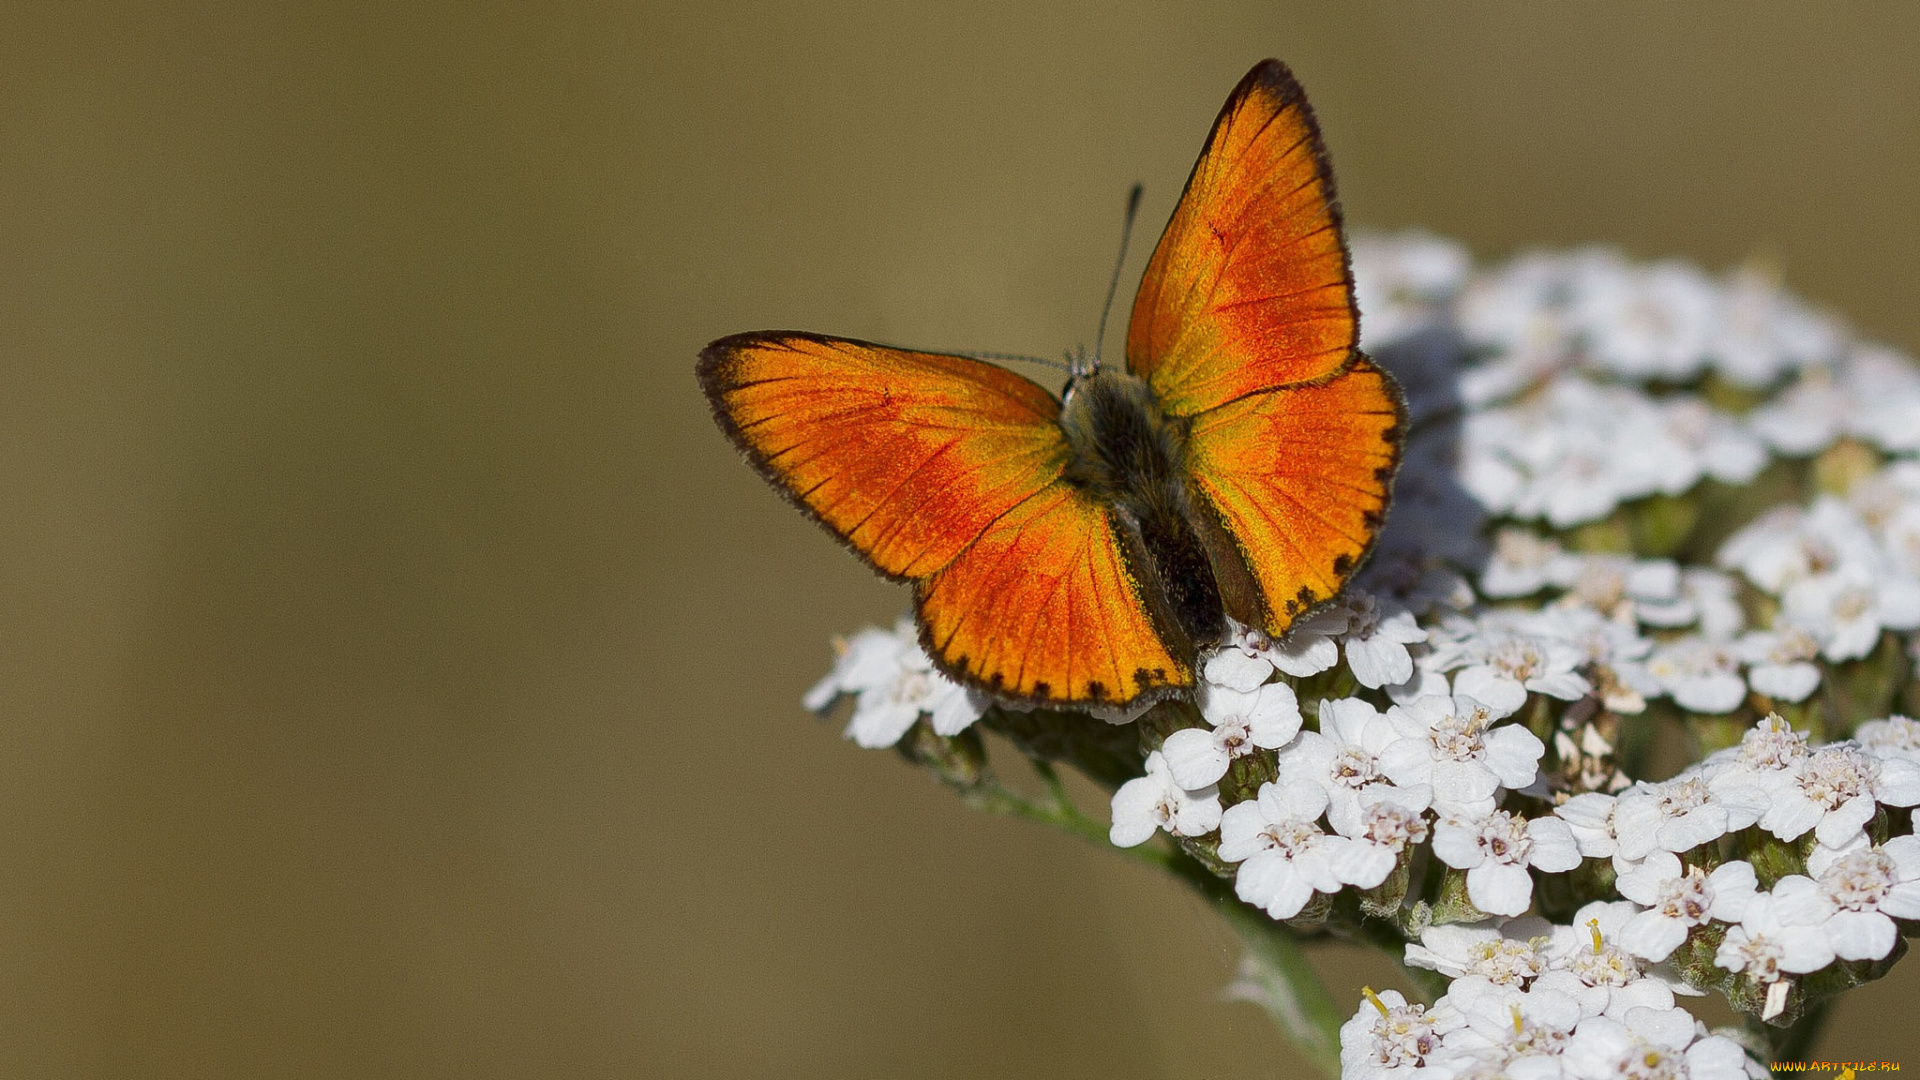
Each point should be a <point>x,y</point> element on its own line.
<point>1290,990</point>
<point>1057,810</point>
<point>1795,1042</point>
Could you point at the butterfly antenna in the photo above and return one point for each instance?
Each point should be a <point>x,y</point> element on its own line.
<point>1113,286</point>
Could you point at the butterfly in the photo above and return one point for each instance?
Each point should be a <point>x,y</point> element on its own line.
<point>1083,550</point>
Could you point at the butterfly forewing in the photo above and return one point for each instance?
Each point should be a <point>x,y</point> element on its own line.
<point>1245,325</point>
<point>1249,287</point>
<point>907,456</point>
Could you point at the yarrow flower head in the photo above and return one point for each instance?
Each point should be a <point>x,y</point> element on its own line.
<point>1155,801</point>
<point>1343,760</point>
<point>1497,848</point>
<point>1284,855</point>
<point>1243,721</point>
<point>1679,898</point>
<point>1450,743</point>
<point>1499,663</point>
<point>1638,507</point>
<point>893,684</point>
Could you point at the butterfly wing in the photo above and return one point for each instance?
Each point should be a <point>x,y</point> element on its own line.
<point>1249,288</point>
<point>1300,477</point>
<point>1046,606</point>
<point>946,471</point>
<point>1245,324</point>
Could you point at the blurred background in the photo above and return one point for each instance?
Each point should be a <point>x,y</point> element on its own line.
<point>401,675</point>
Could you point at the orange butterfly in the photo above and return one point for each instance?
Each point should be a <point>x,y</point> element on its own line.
<point>1081,550</point>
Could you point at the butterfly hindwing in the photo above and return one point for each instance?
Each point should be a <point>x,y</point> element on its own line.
<point>1300,478</point>
<point>1248,288</point>
<point>947,471</point>
<point>1046,607</point>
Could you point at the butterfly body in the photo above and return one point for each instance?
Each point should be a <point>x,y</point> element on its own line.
<point>1083,549</point>
<point>1129,454</point>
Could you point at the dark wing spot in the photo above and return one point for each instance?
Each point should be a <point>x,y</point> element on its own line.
<point>965,663</point>
<point>1372,518</point>
<point>997,678</point>
<point>1144,678</point>
<point>1342,564</point>
<point>1383,474</point>
<point>1306,597</point>
<point>1392,434</point>
<point>1096,690</point>
<point>1040,689</point>
<point>1293,607</point>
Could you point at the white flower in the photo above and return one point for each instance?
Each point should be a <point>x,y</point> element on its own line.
<point>1343,759</point>
<point>1243,720</point>
<point>1243,662</point>
<point>1524,563</point>
<point>1726,449</point>
<point>1390,824</point>
<point>1376,641</point>
<point>1766,948</point>
<point>1400,281</point>
<point>1504,1022</point>
<point>1701,675</point>
<point>1896,736</point>
<point>1846,608</point>
<point>1495,851</point>
<point>1573,452</point>
<point>1678,899</point>
<point>1448,743</point>
<point>1834,791</point>
<point>1806,417</point>
<point>1507,955</point>
<point>1516,312</point>
<point>1763,333</point>
<point>1590,817</point>
<point>1708,599</point>
<point>1389,1038</point>
<point>1645,322</point>
<point>1309,648</point>
<point>1885,389</point>
<point>1151,802</point>
<point>1249,657</point>
<point>1585,962</point>
<point>893,683</point>
<point>1614,586</point>
<point>1612,653</point>
<point>1787,544</point>
<point>1778,662</point>
<point>1499,666</point>
<point>1654,1044</point>
<point>1284,856</point>
<point>1682,813</point>
<point>1769,749</point>
<point>1864,884</point>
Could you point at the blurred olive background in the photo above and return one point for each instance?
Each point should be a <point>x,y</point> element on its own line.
<point>401,675</point>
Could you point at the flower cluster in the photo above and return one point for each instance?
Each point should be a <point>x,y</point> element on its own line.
<point>1633,498</point>
<point>1595,996</point>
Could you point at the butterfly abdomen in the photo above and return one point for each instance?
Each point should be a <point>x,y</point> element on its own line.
<point>1131,456</point>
